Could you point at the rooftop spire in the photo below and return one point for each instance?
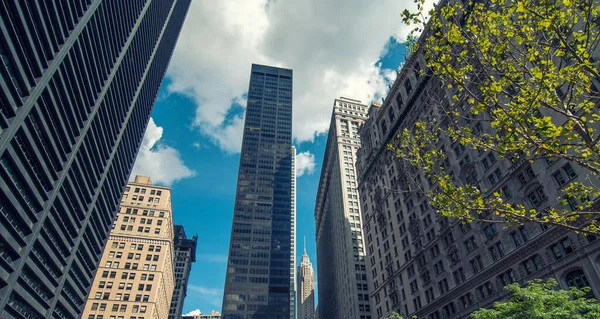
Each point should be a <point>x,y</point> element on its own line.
<point>304,245</point>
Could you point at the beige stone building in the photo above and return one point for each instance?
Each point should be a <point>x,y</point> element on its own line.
<point>135,277</point>
<point>342,274</point>
<point>306,287</point>
<point>212,315</point>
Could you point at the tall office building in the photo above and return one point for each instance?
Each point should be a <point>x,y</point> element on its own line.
<point>78,80</point>
<point>422,264</point>
<point>135,277</point>
<point>306,288</point>
<point>259,280</point>
<point>185,255</point>
<point>340,254</point>
<point>293,283</point>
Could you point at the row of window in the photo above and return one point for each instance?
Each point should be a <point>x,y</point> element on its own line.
<point>143,191</point>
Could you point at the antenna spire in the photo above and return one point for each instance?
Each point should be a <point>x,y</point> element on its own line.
<point>305,245</point>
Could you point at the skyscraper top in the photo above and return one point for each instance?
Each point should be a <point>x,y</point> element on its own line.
<point>142,180</point>
<point>305,246</point>
<point>285,73</point>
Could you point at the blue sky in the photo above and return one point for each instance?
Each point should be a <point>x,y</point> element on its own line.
<point>192,142</point>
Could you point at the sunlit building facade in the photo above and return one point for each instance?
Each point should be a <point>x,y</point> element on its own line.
<point>136,277</point>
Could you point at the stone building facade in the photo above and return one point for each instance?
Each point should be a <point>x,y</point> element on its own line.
<point>342,277</point>
<point>419,263</point>
<point>306,288</point>
<point>135,277</point>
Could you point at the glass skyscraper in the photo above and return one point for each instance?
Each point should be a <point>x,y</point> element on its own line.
<point>78,80</point>
<point>260,277</point>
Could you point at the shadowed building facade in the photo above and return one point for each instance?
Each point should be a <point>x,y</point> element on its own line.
<point>341,270</point>
<point>135,277</point>
<point>78,80</point>
<point>260,275</point>
<point>185,255</point>
<point>433,267</point>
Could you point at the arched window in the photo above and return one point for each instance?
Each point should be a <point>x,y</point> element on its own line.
<point>577,278</point>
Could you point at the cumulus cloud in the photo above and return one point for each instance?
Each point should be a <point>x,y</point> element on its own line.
<point>193,313</point>
<point>332,46</point>
<point>161,162</point>
<point>305,163</point>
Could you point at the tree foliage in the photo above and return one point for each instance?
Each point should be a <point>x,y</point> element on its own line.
<point>521,81</point>
<point>394,316</point>
<point>541,300</point>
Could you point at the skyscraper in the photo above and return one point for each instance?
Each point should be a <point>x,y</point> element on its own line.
<point>340,254</point>
<point>136,276</point>
<point>306,288</point>
<point>259,279</point>
<point>293,283</point>
<point>78,80</point>
<point>185,255</point>
<point>430,266</point>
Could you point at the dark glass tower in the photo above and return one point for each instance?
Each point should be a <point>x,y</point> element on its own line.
<point>259,281</point>
<point>78,79</point>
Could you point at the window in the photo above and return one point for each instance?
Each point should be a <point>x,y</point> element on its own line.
<point>490,231</point>
<point>516,239</point>
<point>438,267</point>
<point>454,257</point>
<point>497,251</point>
<point>470,244</point>
<point>524,233</point>
<point>495,177</point>
<point>566,244</point>
<point>429,296</point>
<point>532,265</point>
<point>577,278</point>
<point>569,171</point>
<point>485,290</point>
<point>556,251</point>
<point>466,300</point>
<point>559,178</point>
<point>443,286</point>
<point>476,264</point>
<point>506,193</point>
<point>459,275</point>
<point>536,196</point>
<point>507,278</point>
<point>449,309</point>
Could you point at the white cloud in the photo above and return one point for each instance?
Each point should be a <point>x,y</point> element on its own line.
<point>161,162</point>
<point>305,163</point>
<point>331,45</point>
<point>193,313</point>
<point>205,290</point>
<point>213,295</point>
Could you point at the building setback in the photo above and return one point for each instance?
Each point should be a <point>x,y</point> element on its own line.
<point>306,288</point>
<point>340,252</point>
<point>212,315</point>
<point>135,277</point>
<point>185,255</point>
<point>433,267</point>
<point>78,80</point>
<point>260,274</point>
